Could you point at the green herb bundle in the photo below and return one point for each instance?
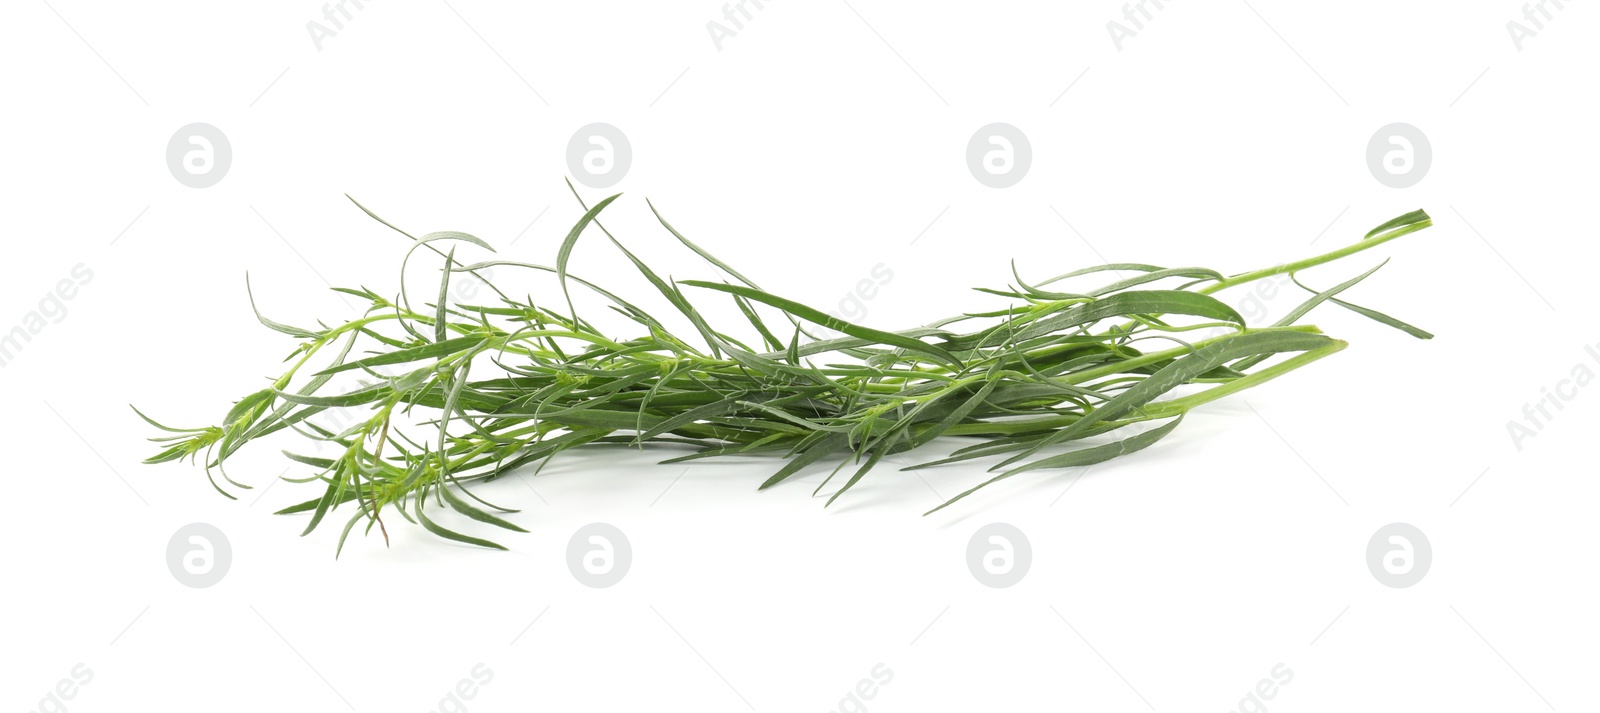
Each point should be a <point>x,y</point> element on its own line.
<point>462,393</point>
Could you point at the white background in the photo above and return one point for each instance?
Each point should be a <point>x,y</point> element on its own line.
<point>824,139</point>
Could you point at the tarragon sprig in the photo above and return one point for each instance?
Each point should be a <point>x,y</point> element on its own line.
<point>454,394</point>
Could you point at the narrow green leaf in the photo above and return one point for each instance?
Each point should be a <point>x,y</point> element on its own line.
<point>365,395</point>
<point>1080,457</point>
<point>426,351</point>
<point>1294,315</point>
<point>959,414</point>
<point>312,504</point>
<point>1121,304</point>
<point>276,326</point>
<point>440,326</point>
<point>861,472</point>
<point>566,249</point>
<point>826,320</point>
<point>328,498</point>
<point>824,446</point>
<point>472,511</point>
<point>1415,217</point>
<point>447,534</point>
<point>1382,318</point>
<point>1181,371</point>
<point>1154,275</point>
<point>323,463</point>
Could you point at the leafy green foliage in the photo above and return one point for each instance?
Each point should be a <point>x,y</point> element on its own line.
<point>512,383</point>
